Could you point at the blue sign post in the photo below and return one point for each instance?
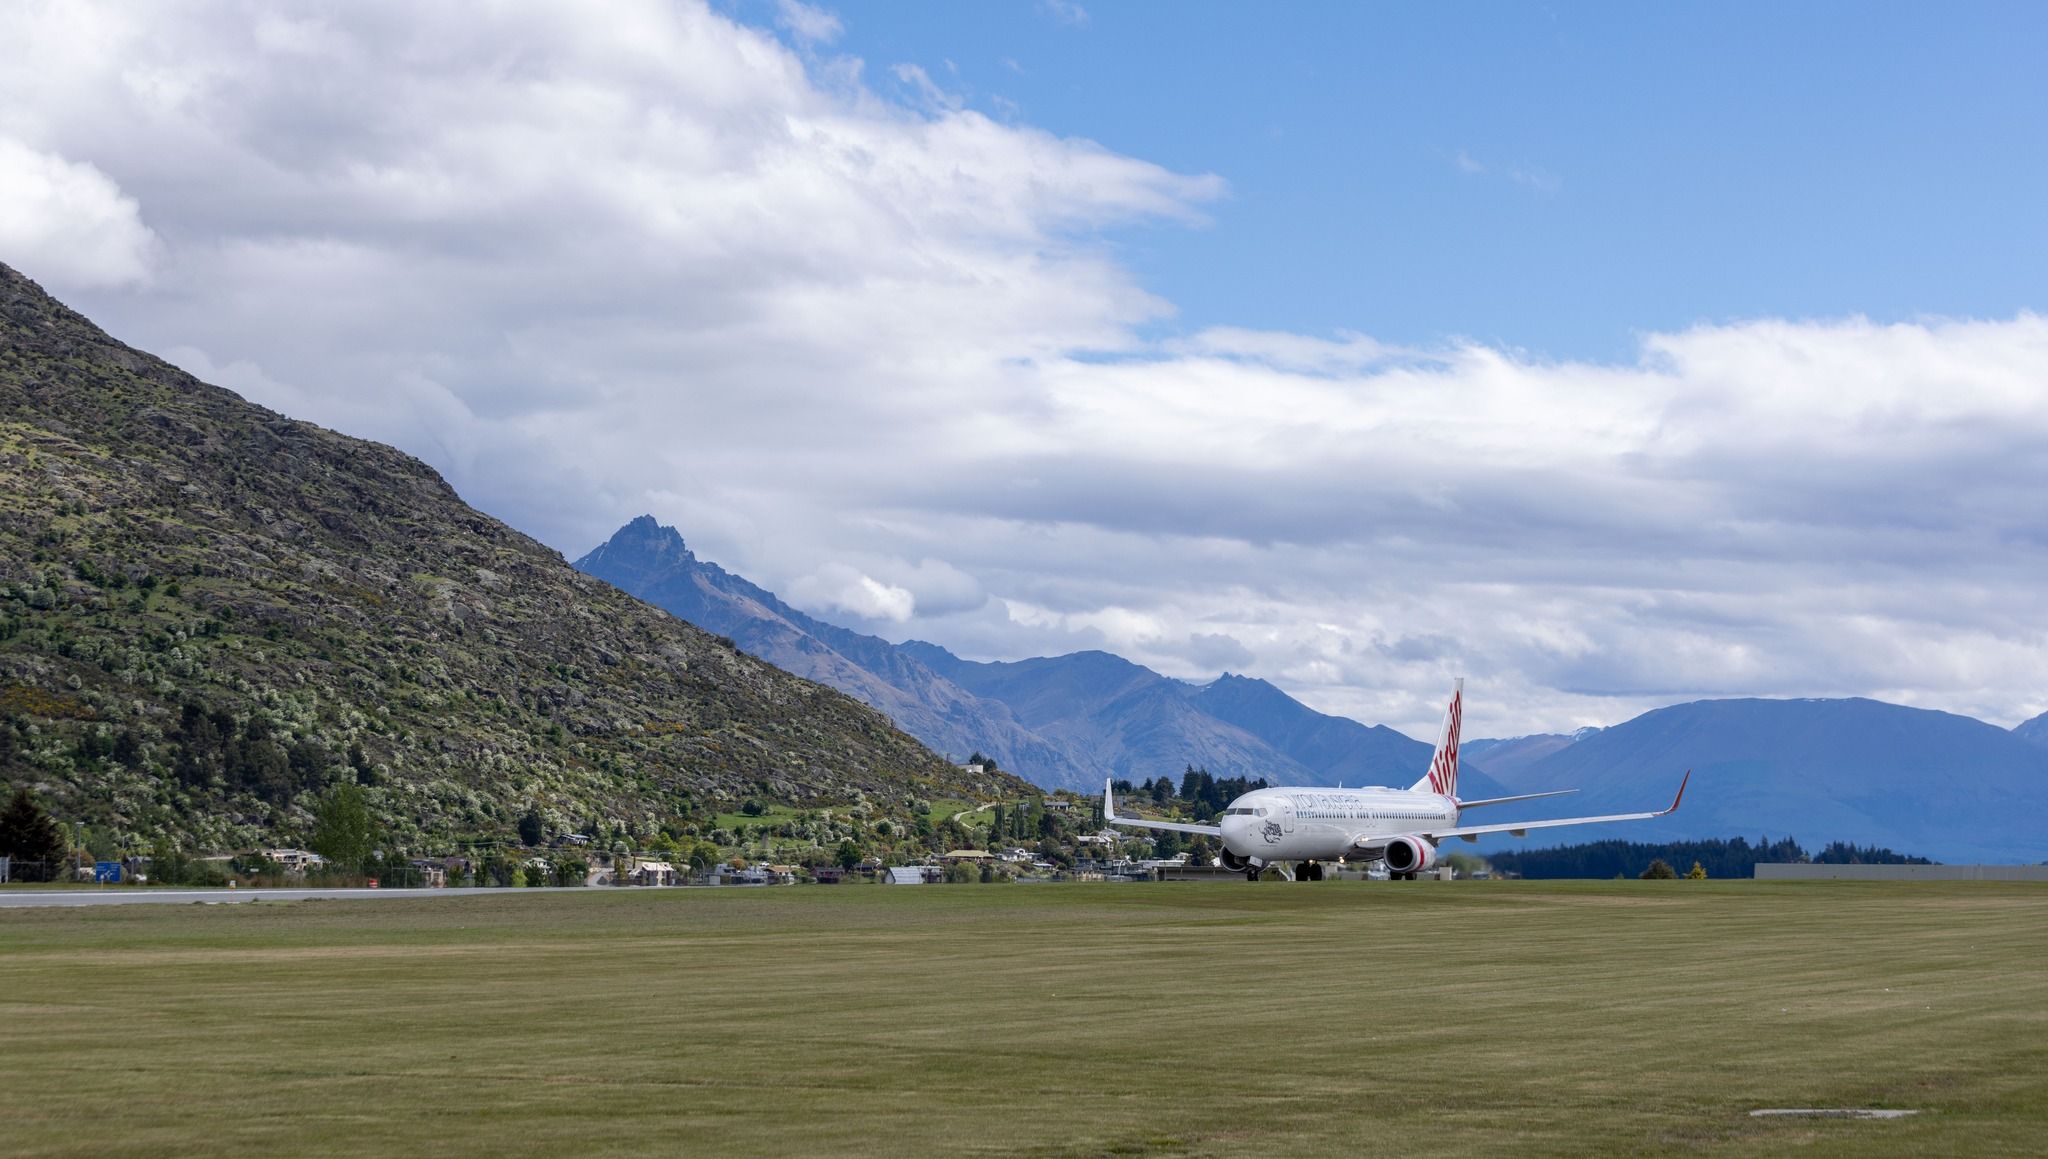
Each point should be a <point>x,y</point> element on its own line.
<point>106,872</point>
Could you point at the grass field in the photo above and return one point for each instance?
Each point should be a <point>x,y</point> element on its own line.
<point>1204,1019</point>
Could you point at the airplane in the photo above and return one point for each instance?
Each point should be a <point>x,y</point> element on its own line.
<point>1310,826</point>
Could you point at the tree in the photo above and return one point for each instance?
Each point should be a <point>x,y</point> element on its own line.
<point>849,854</point>
<point>532,830</point>
<point>168,864</point>
<point>27,834</point>
<point>1659,870</point>
<point>343,830</point>
<point>496,870</point>
<point>1697,873</point>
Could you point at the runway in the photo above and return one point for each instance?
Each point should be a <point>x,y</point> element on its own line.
<point>129,895</point>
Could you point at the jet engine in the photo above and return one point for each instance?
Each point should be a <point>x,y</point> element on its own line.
<point>1410,855</point>
<point>1232,861</point>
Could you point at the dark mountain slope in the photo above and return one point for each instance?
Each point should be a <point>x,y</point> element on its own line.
<point>1507,759</point>
<point>652,562</point>
<point>1139,723</point>
<point>209,612</point>
<point>1063,721</point>
<point>1235,725</point>
<point>1342,750</point>
<point>2033,731</point>
<point>1918,781</point>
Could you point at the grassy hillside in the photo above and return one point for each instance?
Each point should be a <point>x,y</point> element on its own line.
<point>210,612</point>
<point>1525,1018</point>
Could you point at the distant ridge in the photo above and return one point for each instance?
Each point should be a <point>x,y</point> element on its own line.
<point>1061,721</point>
<point>652,562</point>
<point>1507,759</point>
<point>2033,731</point>
<point>1862,771</point>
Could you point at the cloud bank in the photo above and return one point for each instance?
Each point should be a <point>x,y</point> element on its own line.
<point>594,261</point>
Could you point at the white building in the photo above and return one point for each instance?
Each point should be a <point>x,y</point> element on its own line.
<point>655,873</point>
<point>295,860</point>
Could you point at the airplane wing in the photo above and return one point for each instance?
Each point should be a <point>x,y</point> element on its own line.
<point>1109,815</point>
<point>1518,828</point>
<point>1522,797</point>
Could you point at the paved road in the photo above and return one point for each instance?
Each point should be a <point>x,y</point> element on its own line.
<point>129,895</point>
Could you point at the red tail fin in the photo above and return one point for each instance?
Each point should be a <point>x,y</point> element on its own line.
<point>1443,763</point>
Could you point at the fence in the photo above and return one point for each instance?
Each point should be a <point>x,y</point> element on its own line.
<point>15,869</point>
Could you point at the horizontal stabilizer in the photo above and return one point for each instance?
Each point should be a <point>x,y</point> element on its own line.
<point>1521,797</point>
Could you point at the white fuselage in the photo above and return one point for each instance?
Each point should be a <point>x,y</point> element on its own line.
<point>1312,824</point>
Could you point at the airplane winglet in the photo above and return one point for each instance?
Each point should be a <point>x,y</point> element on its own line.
<point>1681,792</point>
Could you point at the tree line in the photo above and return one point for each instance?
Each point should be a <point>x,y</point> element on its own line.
<point>1731,857</point>
<point>1198,793</point>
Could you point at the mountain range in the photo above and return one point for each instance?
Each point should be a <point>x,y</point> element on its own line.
<point>1860,771</point>
<point>210,614</point>
<point>1914,780</point>
<point>1062,722</point>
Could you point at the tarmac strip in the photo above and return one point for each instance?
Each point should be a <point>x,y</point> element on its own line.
<point>27,898</point>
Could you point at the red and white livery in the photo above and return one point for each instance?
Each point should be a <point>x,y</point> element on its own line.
<point>1310,827</point>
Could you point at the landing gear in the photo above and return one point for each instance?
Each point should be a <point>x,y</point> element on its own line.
<point>1252,874</point>
<point>1310,871</point>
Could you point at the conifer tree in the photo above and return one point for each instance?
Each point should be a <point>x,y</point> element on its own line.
<point>29,835</point>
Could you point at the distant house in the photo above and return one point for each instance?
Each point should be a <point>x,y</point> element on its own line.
<point>1015,855</point>
<point>655,873</point>
<point>433,872</point>
<point>573,839</point>
<point>905,875</point>
<point>973,770</point>
<point>974,855</point>
<point>295,860</point>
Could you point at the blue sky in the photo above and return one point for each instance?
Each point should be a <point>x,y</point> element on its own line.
<point>1608,356</point>
<point>1554,177</point>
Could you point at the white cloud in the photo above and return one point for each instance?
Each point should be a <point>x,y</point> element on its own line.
<point>808,24</point>
<point>839,589</point>
<point>67,223</point>
<point>872,355</point>
<point>928,91</point>
<point>1065,12</point>
<point>1529,177</point>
